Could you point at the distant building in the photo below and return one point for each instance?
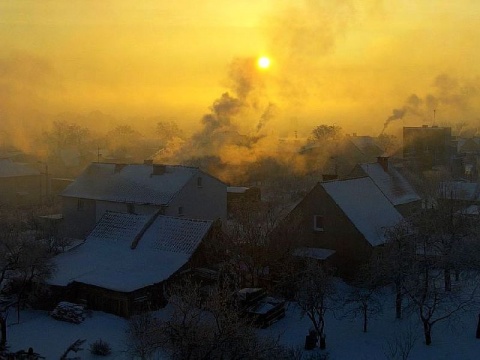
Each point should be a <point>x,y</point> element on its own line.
<point>141,189</point>
<point>427,147</point>
<point>20,184</point>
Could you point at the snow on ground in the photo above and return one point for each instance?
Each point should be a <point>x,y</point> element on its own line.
<point>345,339</point>
<point>50,337</point>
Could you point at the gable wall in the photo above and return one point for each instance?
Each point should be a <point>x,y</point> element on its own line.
<point>77,223</point>
<point>207,202</point>
<point>339,232</point>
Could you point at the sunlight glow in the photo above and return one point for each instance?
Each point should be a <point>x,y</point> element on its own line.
<point>263,62</point>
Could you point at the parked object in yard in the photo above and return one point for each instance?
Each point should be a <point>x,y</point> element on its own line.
<point>264,310</point>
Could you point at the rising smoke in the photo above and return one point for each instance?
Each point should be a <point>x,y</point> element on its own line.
<point>453,98</point>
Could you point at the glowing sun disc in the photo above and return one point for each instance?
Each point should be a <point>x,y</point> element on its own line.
<point>263,62</point>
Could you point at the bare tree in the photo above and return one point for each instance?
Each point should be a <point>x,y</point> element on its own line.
<point>208,325</point>
<point>168,130</point>
<point>395,263</point>
<point>400,345</point>
<point>363,302</point>
<point>324,132</point>
<point>315,296</point>
<point>427,294</point>
<point>253,240</point>
<point>23,261</point>
<point>143,335</point>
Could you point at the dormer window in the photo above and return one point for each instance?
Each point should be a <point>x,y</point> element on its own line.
<point>199,181</point>
<point>318,222</point>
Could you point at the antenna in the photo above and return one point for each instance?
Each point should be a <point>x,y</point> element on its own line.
<point>434,111</point>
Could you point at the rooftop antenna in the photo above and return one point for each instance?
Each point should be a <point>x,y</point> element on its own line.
<point>98,154</point>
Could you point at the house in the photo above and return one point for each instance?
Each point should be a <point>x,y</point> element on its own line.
<point>339,157</point>
<point>391,183</point>
<point>123,264</point>
<point>140,189</point>
<point>426,147</point>
<point>20,184</point>
<point>348,216</point>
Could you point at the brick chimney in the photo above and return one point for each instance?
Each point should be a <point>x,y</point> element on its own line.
<point>383,161</point>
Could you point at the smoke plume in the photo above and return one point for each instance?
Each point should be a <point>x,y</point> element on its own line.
<point>454,98</point>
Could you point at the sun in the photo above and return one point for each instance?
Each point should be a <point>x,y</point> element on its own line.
<point>263,62</point>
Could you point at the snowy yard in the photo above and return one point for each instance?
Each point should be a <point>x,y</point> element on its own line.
<point>345,339</point>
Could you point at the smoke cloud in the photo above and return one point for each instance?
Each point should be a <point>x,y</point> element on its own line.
<point>454,98</point>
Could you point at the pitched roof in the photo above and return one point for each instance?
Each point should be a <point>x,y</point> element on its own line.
<point>130,183</point>
<point>393,184</point>
<point>459,190</point>
<point>365,205</point>
<point>106,258</point>
<point>366,144</point>
<point>8,168</point>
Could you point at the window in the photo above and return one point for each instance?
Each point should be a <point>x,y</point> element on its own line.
<point>180,211</point>
<point>80,205</point>
<point>199,181</point>
<point>318,222</point>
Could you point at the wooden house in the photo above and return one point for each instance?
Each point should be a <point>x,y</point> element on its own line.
<point>123,265</point>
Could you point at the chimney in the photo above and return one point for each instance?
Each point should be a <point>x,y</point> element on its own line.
<point>383,161</point>
<point>159,169</point>
<point>148,162</point>
<point>354,134</point>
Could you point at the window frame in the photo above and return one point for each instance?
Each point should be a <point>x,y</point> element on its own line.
<point>318,220</point>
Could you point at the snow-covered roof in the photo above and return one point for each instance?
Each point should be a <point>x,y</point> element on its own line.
<point>365,144</point>
<point>314,253</point>
<point>237,189</point>
<point>109,258</point>
<point>459,190</point>
<point>393,184</point>
<point>134,183</point>
<point>365,205</point>
<point>8,168</point>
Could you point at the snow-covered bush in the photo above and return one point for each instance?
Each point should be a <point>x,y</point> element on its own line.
<point>100,347</point>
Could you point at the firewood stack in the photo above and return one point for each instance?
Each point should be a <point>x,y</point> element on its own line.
<point>69,312</point>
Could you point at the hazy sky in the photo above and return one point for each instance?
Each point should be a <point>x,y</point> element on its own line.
<point>346,62</point>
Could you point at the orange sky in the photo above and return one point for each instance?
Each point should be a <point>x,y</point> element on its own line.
<point>346,62</point>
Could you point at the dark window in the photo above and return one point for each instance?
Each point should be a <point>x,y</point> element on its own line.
<point>318,222</point>
<point>80,204</point>
<point>199,181</point>
<point>180,210</point>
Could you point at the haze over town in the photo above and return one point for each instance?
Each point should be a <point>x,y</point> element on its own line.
<point>350,63</point>
<point>236,179</point>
